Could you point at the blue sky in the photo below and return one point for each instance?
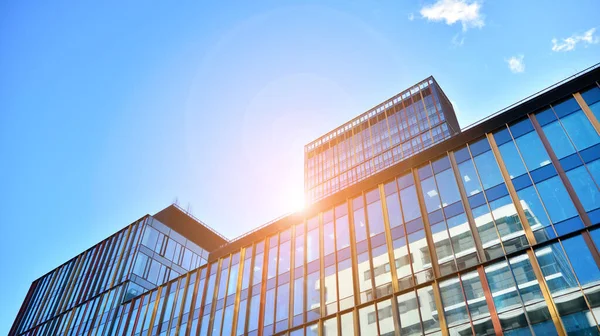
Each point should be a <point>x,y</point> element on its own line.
<point>112,110</point>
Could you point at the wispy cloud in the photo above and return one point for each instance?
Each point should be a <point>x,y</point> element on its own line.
<point>467,12</point>
<point>458,40</point>
<point>411,17</point>
<point>516,64</point>
<point>569,43</point>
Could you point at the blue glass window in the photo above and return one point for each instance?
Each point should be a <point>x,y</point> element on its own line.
<point>556,199</point>
<point>585,188</point>
<point>410,204</point>
<point>469,178</point>
<point>560,143</point>
<point>430,195</point>
<point>582,261</point>
<point>488,170</point>
<point>447,186</point>
<point>512,159</point>
<point>533,151</point>
<point>533,208</point>
<point>580,130</point>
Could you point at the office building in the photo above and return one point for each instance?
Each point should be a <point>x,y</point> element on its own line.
<point>392,131</point>
<point>493,231</point>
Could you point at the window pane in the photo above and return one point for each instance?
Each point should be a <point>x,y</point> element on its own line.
<point>283,295</point>
<point>428,310</point>
<point>368,320</point>
<point>258,267</point>
<point>298,296</point>
<point>502,286</point>
<point>582,261</point>
<point>560,143</point>
<point>580,130</point>
<point>469,177</point>
<point>533,208</point>
<point>347,323</point>
<point>328,239</point>
<point>585,188</point>
<point>430,195</point>
<point>345,284</point>
<point>512,159</point>
<point>410,324</point>
<point>533,151</point>
<point>453,301</point>
<point>556,199</point>
<point>410,203</point>
<point>330,327</point>
<point>360,229</point>
<point>313,295</point>
<point>474,295</point>
<point>385,317</point>
<point>312,245</point>
<point>375,216</point>
<point>447,186</point>
<point>488,169</point>
<point>556,270</point>
<point>393,209</point>
<point>284,257</point>
<point>341,232</point>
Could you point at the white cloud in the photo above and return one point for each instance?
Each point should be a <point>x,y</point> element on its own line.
<point>467,12</point>
<point>411,17</point>
<point>516,64</point>
<point>569,43</point>
<point>458,41</point>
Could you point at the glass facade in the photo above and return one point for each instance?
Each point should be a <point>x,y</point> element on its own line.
<point>393,131</point>
<point>498,235</point>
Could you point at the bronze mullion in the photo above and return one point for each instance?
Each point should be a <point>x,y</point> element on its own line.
<point>238,291</point>
<point>183,303</point>
<point>353,251</point>
<point>426,113</point>
<point>263,287</point>
<point>388,237</point>
<point>511,190</point>
<point>592,247</point>
<point>490,300</point>
<point>426,224</point>
<point>437,297</point>
<point>155,308</point>
<point>546,293</point>
<point>587,111</point>
<point>204,292</point>
<point>466,206</point>
<point>561,173</point>
<point>120,256</point>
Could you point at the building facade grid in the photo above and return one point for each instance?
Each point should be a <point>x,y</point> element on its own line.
<point>499,235</point>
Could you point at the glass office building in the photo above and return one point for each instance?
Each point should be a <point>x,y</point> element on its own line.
<point>392,131</point>
<point>494,231</point>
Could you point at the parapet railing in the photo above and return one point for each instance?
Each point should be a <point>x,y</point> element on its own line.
<point>201,222</point>
<point>259,227</point>
<point>532,96</point>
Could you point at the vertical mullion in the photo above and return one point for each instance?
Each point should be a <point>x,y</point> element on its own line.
<point>587,111</point>
<point>388,236</point>
<point>238,291</point>
<point>546,293</point>
<point>426,225</point>
<point>440,307</point>
<point>465,200</point>
<point>561,173</point>
<point>511,190</point>
<point>490,300</point>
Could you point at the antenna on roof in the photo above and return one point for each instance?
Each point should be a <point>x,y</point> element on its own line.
<point>176,201</point>
<point>188,208</point>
